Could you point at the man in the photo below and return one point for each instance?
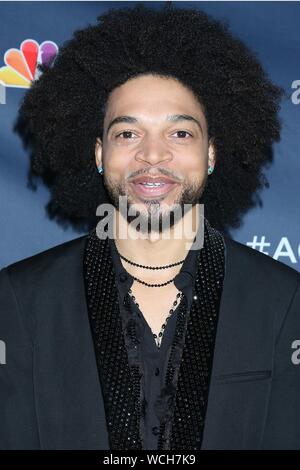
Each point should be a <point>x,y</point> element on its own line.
<point>146,342</point>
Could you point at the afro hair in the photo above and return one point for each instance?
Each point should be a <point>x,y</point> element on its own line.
<point>62,114</point>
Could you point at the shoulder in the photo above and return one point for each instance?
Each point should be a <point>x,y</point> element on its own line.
<point>58,260</point>
<point>38,283</point>
<point>250,262</point>
<point>269,287</point>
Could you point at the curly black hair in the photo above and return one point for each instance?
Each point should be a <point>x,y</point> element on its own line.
<point>63,112</point>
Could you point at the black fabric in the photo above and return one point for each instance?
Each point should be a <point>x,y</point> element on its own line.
<point>186,382</point>
<point>152,360</point>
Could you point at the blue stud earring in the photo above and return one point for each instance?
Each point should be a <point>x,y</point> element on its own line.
<point>210,170</point>
<point>100,169</point>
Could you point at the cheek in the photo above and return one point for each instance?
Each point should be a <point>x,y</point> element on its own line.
<point>193,166</point>
<point>117,163</point>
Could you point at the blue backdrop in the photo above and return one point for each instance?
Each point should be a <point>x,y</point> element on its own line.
<point>270,28</point>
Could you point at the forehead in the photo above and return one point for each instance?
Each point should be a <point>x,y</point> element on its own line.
<point>154,97</point>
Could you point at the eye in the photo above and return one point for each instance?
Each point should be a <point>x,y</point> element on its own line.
<point>126,135</point>
<point>181,134</point>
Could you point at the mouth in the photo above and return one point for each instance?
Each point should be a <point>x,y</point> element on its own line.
<point>147,186</point>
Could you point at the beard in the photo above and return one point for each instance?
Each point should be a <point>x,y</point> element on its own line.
<point>155,216</point>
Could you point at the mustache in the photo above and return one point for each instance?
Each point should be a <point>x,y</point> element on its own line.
<point>154,172</point>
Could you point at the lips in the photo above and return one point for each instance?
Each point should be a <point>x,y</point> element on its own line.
<point>153,186</point>
<point>150,179</point>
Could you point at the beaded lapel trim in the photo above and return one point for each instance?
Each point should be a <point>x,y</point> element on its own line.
<point>185,392</point>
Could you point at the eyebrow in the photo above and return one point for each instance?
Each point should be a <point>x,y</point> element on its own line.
<point>170,117</point>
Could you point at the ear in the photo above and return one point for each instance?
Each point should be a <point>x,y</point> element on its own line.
<point>211,153</point>
<point>98,151</point>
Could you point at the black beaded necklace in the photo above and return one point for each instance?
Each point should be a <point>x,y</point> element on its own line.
<point>151,267</point>
<point>157,338</point>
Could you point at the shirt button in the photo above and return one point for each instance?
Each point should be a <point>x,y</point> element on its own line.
<point>155,431</point>
<point>157,371</point>
<point>123,277</point>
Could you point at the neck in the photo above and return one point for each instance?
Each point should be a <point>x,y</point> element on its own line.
<point>157,248</point>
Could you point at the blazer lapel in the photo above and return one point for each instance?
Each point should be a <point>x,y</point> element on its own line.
<point>120,384</point>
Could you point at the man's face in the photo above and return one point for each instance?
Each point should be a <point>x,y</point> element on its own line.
<point>153,155</point>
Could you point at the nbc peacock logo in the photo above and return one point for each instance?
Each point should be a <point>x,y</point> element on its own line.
<point>20,67</point>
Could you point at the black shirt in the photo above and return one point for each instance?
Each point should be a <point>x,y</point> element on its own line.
<point>152,359</point>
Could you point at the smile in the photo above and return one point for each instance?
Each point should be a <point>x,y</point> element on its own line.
<point>152,189</point>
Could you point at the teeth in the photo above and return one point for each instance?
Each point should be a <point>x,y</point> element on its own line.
<point>153,184</point>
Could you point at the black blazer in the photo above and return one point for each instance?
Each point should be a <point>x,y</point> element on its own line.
<point>50,394</point>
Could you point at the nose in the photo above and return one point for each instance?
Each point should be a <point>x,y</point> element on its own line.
<point>153,152</point>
